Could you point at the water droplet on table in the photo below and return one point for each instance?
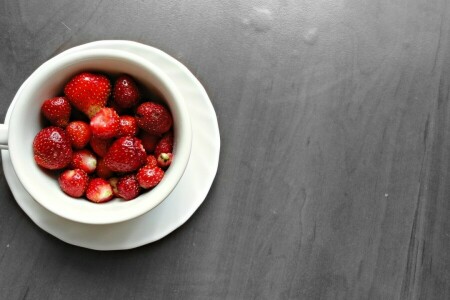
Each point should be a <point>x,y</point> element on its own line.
<point>310,36</point>
<point>260,19</point>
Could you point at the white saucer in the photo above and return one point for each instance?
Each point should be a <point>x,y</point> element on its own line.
<point>181,203</point>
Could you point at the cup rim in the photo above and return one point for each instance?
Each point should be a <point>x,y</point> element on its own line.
<point>137,207</point>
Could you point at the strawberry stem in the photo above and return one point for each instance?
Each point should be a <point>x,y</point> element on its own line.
<point>165,156</point>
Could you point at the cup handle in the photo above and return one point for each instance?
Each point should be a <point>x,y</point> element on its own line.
<point>3,136</point>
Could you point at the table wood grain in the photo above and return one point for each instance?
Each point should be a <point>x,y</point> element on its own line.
<point>334,176</point>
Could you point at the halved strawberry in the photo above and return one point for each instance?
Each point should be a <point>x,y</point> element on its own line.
<point>126,154</point>
<point>127,126</point>
<point>57,111</point>
<point>88,92</point>
<point>99,190</point>
<point>84,160</point>
<point>128,187</point>
<point>105,123</point>
<point>52,148</point>
<point>149,177</point>
<point>165,144</point>
<point>153,118</point>
<point>79,134</point>
<point>126,93</point>
<point>73,182</point>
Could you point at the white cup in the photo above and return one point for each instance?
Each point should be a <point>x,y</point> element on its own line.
<point>25,122</point>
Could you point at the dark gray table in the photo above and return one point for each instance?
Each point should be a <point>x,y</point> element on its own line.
<point>334,178</point>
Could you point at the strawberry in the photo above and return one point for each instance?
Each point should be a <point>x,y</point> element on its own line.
<point>165,144</point>
<point>79,134</point>
<point>57,111</point>
<point>102,170</point>
<point>164,160</point>
<point>149,141</point>
<point>52,149</point>
<point>151,161</point>
<point>88,92</point>
<point>127,126</point>
<point>99,190</point>
<point>153,118</point>
<point>126,154</point>
<point>149,177</point>
<point>113,182</point>
<point>105,123</point>
<point>128,187</point>
<point>84,160</point>
<point>100,146</point>
<point>126,93</point>
<point>73,182</point>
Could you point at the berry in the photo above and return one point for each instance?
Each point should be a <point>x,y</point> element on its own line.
<point>100,146</point>
<point>88,92</point>
<point>153,118</point>
<point>79,134</point>
<point>127,126</point>
<point>151,161</point>
<point>102,170</point>
<point>105,123</point>
<point>149,141</point>
<point>126,154</point>
<point>73,182</point>
<point>57,111</point>
<point>99,190</point>
<point>126,93</point>
<point>128,187</point>
<point>84,160</point>
<point>149,177</point>
<point>164,160</point>
<point>165,144</point>
<point>52,149</point>
<point>113,182</point>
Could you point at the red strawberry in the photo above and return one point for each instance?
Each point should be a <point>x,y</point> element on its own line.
<point>165,145</point>
<point>73,182</point>
<point>79,134</point>
<point>57,111</point>
<point>102,170</point>
<point>52,149</point>
<point>100,146</point>
<point>105,123</point>
<point>84,160</point>
<point>153,118</point>
<point>149,177</point>
<point>99,190</point>
<point>126,154</point>
<point>151,161</point>
<point>164,160</point>
<point>88,92</point>
<point>127,126</point>
<point>149,141</point>
<point>128,187</point>
<point>126,93</point>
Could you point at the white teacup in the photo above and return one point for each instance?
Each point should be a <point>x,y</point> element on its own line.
<point>25,122</point>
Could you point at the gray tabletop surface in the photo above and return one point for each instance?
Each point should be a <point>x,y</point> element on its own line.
<point>334,175</point>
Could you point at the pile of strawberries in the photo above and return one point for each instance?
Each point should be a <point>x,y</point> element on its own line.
<point>102,146</point>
